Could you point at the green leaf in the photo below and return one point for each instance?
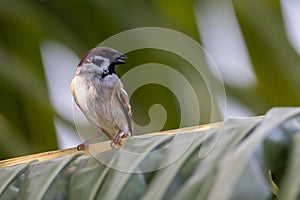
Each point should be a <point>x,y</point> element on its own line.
<point>171,166</point>
<point>7,177</point>
<point>291,181</point>
<point>40,176</point>
<point>273,57</point>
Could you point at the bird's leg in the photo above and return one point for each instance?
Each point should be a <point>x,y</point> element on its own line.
<point>85,144</point>
<point>117,139</point>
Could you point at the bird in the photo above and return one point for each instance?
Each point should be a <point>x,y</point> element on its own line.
<point>101,96</point>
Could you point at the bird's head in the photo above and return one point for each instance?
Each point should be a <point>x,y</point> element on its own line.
<point>102,60</point>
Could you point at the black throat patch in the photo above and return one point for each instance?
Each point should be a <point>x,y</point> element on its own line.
<point>111,70</point>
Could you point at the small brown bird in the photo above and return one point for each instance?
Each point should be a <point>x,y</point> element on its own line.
<point>101,96</point>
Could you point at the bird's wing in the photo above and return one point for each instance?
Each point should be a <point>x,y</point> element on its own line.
<point>124,102</point>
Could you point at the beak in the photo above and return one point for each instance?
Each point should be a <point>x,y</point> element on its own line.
<point>121,59</point>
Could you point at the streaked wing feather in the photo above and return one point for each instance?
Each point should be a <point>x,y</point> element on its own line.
<point>124,101</point>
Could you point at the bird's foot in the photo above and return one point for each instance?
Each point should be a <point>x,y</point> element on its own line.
<point>81,147</point>
<point>117,140</point>
<point>85,144</point>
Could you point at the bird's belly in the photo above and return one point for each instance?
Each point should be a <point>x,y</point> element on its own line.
<point>96,105</point>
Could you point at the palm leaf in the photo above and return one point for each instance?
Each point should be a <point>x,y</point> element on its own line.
<point>238,167</point>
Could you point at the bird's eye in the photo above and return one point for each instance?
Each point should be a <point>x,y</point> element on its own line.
<point>97,60</point>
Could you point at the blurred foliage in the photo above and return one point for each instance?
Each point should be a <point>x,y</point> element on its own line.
<point>275,62</point>
<point>26,112</point>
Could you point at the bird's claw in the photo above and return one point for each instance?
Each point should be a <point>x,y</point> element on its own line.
<point>117,140</point>
<point>81,147</point>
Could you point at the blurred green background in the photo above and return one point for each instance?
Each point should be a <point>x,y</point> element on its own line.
<point>260,29</point>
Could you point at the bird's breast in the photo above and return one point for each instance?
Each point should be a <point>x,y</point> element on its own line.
<point>82,90</point>
<point>94,97</point>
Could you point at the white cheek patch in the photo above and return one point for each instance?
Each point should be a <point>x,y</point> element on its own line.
<point>97,64</point>
<point>99,61</point>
